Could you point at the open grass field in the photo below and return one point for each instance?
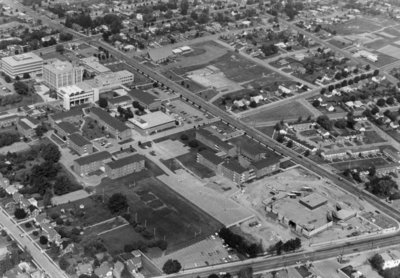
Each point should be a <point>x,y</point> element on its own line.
<point>339,42</point>
<point>208,94</point>
<point>390,50</point>
<point>288,111</point>
<point>377,44</point>
<point>372,137</point>
<point>268,130</point>
<point>384,59</point>
<point>172,216</point>
<point>26,100</point>
<point>355,26</point>
<point>362,163</point>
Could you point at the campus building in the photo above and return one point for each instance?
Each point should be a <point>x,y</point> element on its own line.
<point>17,65</point>
<point>207,138</point>
<point>111,80</point>
<point>58,74</point>
<point>125,166</point>
<point>210,160</point>
<point>232,170</point>
<point>266,166</point>
<point>153,122</point>
<point>145,99</point>
<point>72,116</point>
<point>93,66</point>
<point>74,95</point>
<point>90,163</point>
<point>80,144</point>
<point>26,126</point>
<point>64,129</point>
<point>123,101</point>
<point>112,125</point>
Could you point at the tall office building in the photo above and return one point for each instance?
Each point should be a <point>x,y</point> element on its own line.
<point>61,73</point>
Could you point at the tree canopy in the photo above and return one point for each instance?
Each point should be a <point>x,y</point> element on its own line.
<point>117,203</point>
<point>171,266</point>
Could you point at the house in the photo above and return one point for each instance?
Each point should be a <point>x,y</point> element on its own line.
<point>334,154</point>
<point>50,233</point>
<point>364,151</point>
<point>383,170</point>
<point>105,270</point>
<point>79,144</point>
<point>7,119</point>
<point>122,101</point>
<point>84,269</point>
<point>132,260</point>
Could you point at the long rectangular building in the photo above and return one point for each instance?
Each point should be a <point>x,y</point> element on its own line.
<point>17,65</point>
<point>111,124</point>
<point>90,163</point>
<point>125,166</point>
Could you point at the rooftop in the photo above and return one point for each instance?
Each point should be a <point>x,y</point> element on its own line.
<point>234,166</point>
<point>93,158</point>
<point>266,162</point>
<point>67,127</point>
<point>71,90</point>
<point>71,113</point>
<point>119,99</point>
<point>116,164</point>
<point>142,96</point>
<point>93,63</point>
<point>215,139</point>
<point>22,59</point>
<point>151,120</point>
<point>28,123</point>
<point>210,156</point>
<point>108,119</point>
<point>313,200</point>
<point>78,139</point>
<point>58,66</point>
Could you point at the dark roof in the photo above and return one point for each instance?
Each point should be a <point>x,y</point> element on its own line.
<point>93,158</point>
<point>234,166</point>
<point>67,114</point>
<point>210,156</point>
<point>68,127</point>
<point>215,139</point>
<point>157,54</point>
<point>25,125</point>
<point>108,119</point>
<point>78,140</point>
<point>115,164</point>
<point>143,97</point>
<point>266,162</point>
<point>119,99</point>
<point>248,145</point>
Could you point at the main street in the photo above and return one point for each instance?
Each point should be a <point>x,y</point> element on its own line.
<point>265,263</point>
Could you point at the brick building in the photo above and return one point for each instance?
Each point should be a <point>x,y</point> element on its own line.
<point>64,129</point>
<point>235,172</point>
<point>80,144</point>
<point>90,163</point>
<point>212,141</point>
<point>210,160</point>
<point>111,124</point>
<point>125,166</point>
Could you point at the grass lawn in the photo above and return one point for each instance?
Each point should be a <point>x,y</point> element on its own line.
<point>286,164</point>
<point>91,130</point>
<point>384,59</point>
<point>362,163</point>
<point>26,100</point>
<point>208,94</point>
<point>355,26</point>
<point>189,161</point>
<point>372,137</point>
<point>177,220</point>
<point>118,238</point>
<point>288,111</point>
<point>268,130</point>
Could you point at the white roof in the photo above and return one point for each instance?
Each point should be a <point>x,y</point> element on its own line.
<point>185,48</point>
<point>152,120</point>
<point>69,90</point>
<point>22,59</point>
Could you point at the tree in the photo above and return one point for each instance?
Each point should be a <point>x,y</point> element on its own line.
<point>376,262</point>
<point>7,78</point>
<point>341,123</point>
<point>323,91</point>
<point>381,102</point>
<point>376,72</point>
<point>171,266</point>
<point>375,110</point>
<point>184,7</point>
<point>367,67</point>
<point>316,103</point>
<point>60,48</point>
<point>26,75</point>
<point>246,273</point>
<point>194,15</point>
<point>40,130</point>
<point>43,240</point>
<point>21,88</point>
<point>382,186</point>
<point>325,122</point>
<point>63,263</point>
<point>20,213</point>
<point>117,203</point>
<point>289,144</point>
<point>253,104</point>
<point>193,144</point>
<point>390,100</point>
<point>50,152</point>
<point>103,102</point>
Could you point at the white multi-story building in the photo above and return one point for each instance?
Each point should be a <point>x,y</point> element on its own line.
<point>24,63</point>
<point>61,73</point>
<point>391,258</point>
<point>74,95</point>
<point>111,80</point>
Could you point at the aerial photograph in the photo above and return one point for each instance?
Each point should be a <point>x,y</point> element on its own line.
<point>199,138</point>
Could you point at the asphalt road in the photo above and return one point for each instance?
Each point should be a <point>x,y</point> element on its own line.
<point>42,259</point>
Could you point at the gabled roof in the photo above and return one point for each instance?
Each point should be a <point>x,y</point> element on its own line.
<point>157,54</point>
<point>67,127</point>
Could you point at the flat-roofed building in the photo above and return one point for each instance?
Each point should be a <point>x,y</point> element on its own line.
<point>93,65</point>
<point>64,129</point>
<point>153,122</point>
<point>58,74</point>
<point>266,166</point>
<point>207,138</point>
<point>111,124</point>
<point>210,160</point>
<point>123,101</point>
<point>72,116</point>
<point>125,166</point>
<point>7,119</point>
<point>17,65</point>
<point>232,170</point>
<point>90,163</point>
<point>80,144</point>
<point>74,95</point>
<point>313,201</point>
<point>26,126</point>
<point>146,100</point>
<point>110,80</point>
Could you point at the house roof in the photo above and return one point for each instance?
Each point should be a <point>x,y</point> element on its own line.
<point>142,96</point>
<point>116,164</point>
<point>93,158</point>
<point>108,119</point>
<point>78,140</point>
<point>210,156</point>
<point>67,127</point>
